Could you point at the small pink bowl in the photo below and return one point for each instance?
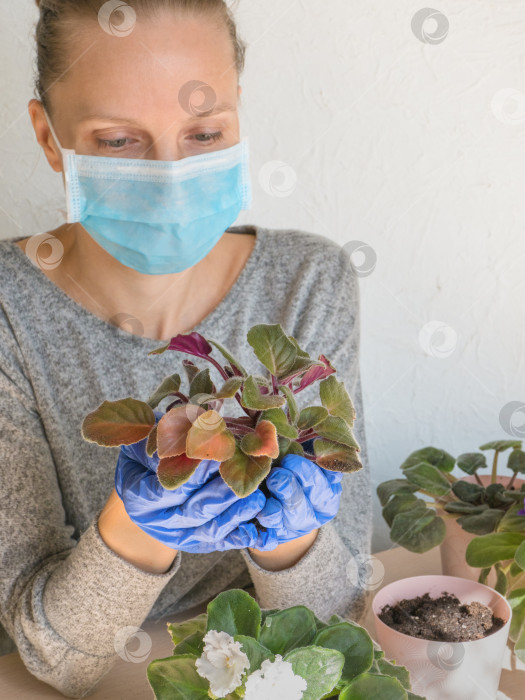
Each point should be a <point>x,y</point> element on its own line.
<point>446,670</point>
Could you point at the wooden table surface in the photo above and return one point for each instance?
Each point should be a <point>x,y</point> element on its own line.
<point>128,681</point>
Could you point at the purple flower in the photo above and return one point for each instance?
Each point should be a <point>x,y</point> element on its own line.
<point>522,511</point>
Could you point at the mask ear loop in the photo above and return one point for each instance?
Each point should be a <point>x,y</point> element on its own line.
<point>67,159</point>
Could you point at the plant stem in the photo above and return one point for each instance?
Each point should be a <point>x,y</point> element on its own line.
<point>275,385</point>
<point>494,467</point>
<point>511,481</point>
<point>478,479</point>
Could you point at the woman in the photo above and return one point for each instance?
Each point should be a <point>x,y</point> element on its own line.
<point>76,567</point>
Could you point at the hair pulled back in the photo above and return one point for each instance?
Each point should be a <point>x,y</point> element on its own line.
<point>59,19</point>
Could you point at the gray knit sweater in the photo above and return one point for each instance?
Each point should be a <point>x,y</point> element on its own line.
<point>64,593</point>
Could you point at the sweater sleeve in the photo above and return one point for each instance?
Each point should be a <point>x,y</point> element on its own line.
<point>61,601</point>
<point>334,574</point>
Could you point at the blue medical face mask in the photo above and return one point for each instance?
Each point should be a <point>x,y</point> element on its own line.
<point>157,216</point>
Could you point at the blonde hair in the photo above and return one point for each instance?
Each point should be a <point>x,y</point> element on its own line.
<point>59,18</point>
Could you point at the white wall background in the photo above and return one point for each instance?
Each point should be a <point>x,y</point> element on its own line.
<point>414,149</point>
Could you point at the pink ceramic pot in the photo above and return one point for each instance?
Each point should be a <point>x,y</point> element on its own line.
<point>453,547</point>
<point>446,670</point>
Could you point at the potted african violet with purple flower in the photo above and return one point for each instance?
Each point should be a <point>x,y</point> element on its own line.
<point>192,428</point>
<point>236,650</point>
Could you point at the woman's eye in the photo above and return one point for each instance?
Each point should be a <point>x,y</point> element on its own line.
<point>211,138</point>
<point>115,143</point>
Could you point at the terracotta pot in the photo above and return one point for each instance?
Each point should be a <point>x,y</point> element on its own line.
<point>446,670</point>
<point>453,547</point>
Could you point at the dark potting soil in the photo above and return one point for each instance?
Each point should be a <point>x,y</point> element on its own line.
<point>443,619</point>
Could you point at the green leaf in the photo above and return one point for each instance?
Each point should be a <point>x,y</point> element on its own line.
<point>336,457</point>
<point>519,646</point>
<point>310,416</point>
<point>202,383</point>
<point>516,461</point>
<point>418,532</point>
<point>368,685</point>
<point>486,550</point>
<point>288,629</point>
<point>291,402</point>
<point>484,574</point>
<point>516,599</point>
<point>519,556</point>
<point>515,570</point>
<point>321,669</point>
<point>428,477</point>
<point>388,668</point>
<point>121,422</point>
<point>176,678</point>
<point>336,429</point>
<point>294,448</point>
<point>470,462</point>
<point>278,417</point>
<point>255,651</point>
<point>252,398</point>
<point>501,581</point>
<point>234,362</point>
<point>181,630</point>
<point>300,351</point>
<point>464,508</point>
<point>438,458</point>
<point>353,642</point>
<point>272,347</point>
<point>235,612</point>
<point>401,503</point>
<point>500,445</point>
<point>230,387</point>
<point>167,387</point>
<point>336,400</point>
<point>194,644</point>
<point>243,473</point>
<point>481,523</point>
<point>511,521</point>
<point>470,493</point>
<point>394,486</point>
<point>495,495</point>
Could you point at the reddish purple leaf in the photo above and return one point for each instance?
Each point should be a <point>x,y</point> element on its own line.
<point>316,373</point>
<point>192,343</point>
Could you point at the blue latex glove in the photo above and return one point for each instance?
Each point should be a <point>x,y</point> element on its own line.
<point>202,515</point>
<point>304,497</point>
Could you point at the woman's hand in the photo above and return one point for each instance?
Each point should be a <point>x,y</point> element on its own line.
<point>304,497</point>
<point>202,515</point>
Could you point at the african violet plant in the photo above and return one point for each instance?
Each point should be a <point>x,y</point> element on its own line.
<point>494,513</point>
<point>192,428</point>
<point>236,650</point>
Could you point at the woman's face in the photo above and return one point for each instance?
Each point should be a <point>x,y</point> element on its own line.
<point>131,97</point>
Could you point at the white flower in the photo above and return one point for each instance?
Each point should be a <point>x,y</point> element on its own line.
<point>222,663</point>
<point>275,680</point>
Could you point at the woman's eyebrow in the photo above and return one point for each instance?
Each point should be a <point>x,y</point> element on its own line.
<point>216,109</point>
